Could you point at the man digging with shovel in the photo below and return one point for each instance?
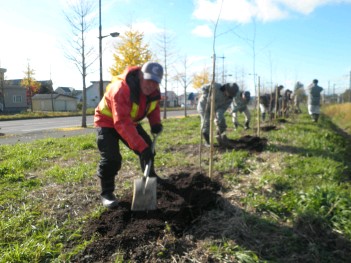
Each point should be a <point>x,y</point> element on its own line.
<point>131,97</point>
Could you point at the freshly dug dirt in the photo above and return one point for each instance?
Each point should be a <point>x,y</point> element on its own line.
<point>268,128</point>
<point>250,143</point>
<point>192,208</point>
<point>181,198</point>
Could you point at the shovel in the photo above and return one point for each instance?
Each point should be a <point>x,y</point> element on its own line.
<point>144,193</point>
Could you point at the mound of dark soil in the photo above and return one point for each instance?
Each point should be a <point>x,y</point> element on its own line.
<point>181,198</point>
<point>250,143</point>
<point>268,128</point>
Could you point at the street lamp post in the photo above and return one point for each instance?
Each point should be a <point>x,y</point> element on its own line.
<point>114,34</point>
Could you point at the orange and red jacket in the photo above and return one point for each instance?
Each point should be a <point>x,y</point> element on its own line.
<point>124,105</point>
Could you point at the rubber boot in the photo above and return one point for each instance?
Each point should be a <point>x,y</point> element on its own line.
<point>314,118</point>
<point>207,138</point>
<point>108,199</point>
<point>263,116</point>
<point>246,127</point>
<point>222,139</point>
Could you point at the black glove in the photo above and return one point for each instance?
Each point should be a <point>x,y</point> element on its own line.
<point>146,156</point>
<point>157,128</point>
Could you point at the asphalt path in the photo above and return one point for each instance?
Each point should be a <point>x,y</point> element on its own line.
<point>14,131</point>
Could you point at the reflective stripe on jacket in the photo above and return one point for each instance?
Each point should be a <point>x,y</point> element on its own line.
<point>124,105</point>
<point>105,110</point>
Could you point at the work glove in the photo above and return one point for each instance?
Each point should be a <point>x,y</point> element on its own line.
<point>146,156</point>
<point>157,128</point>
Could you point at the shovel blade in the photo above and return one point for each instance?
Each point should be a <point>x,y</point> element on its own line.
<point>144,194</point>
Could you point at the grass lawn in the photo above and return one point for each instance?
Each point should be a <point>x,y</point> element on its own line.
<point>289,203</point>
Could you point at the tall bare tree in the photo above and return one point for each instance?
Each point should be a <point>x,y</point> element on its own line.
<point>185,80</point>
<point>81,19</point>
<point>164,43</point>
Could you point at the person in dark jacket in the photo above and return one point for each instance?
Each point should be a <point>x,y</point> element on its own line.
<point>131,97</point>
<point>314,99</point>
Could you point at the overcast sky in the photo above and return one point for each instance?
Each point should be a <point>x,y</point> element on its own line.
<point>282,41</point>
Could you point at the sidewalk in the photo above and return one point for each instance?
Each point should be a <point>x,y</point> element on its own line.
<point>32,136</point>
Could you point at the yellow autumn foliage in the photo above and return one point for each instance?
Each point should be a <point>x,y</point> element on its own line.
<point>130,51</point>
<point>201,78</point>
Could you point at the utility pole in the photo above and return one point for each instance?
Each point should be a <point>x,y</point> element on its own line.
<point>114,34</point>
<point>223,57</point>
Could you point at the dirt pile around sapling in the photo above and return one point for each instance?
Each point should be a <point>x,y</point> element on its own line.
<point>181,199</point>
<point>250,143</point>
<point>268,128</point>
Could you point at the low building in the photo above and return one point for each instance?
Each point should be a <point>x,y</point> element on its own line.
<point>68,91</point>
<point>54,102</point>
<point>13,96</point>
<point>171,99</point>
<point>190,100</point>
<point>93,93</point>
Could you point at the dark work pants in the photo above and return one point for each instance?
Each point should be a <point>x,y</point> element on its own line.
<point>110,156</point>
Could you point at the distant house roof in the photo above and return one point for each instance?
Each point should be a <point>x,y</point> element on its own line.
<point>18,82</point>
<point>14,81</point>
<point>49,96</point>
<point>66,89</point>
<point>45,82</point>
<point>169,92</point>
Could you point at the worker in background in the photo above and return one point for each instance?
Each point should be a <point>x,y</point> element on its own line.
<point>240,102</point>
<point>269,103</point>
<point>314,99</point>
<point>298,96</point>
<point>224,95</point>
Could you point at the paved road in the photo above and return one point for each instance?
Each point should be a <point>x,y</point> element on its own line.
<point>28,130</point>
<point>16,127</point>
